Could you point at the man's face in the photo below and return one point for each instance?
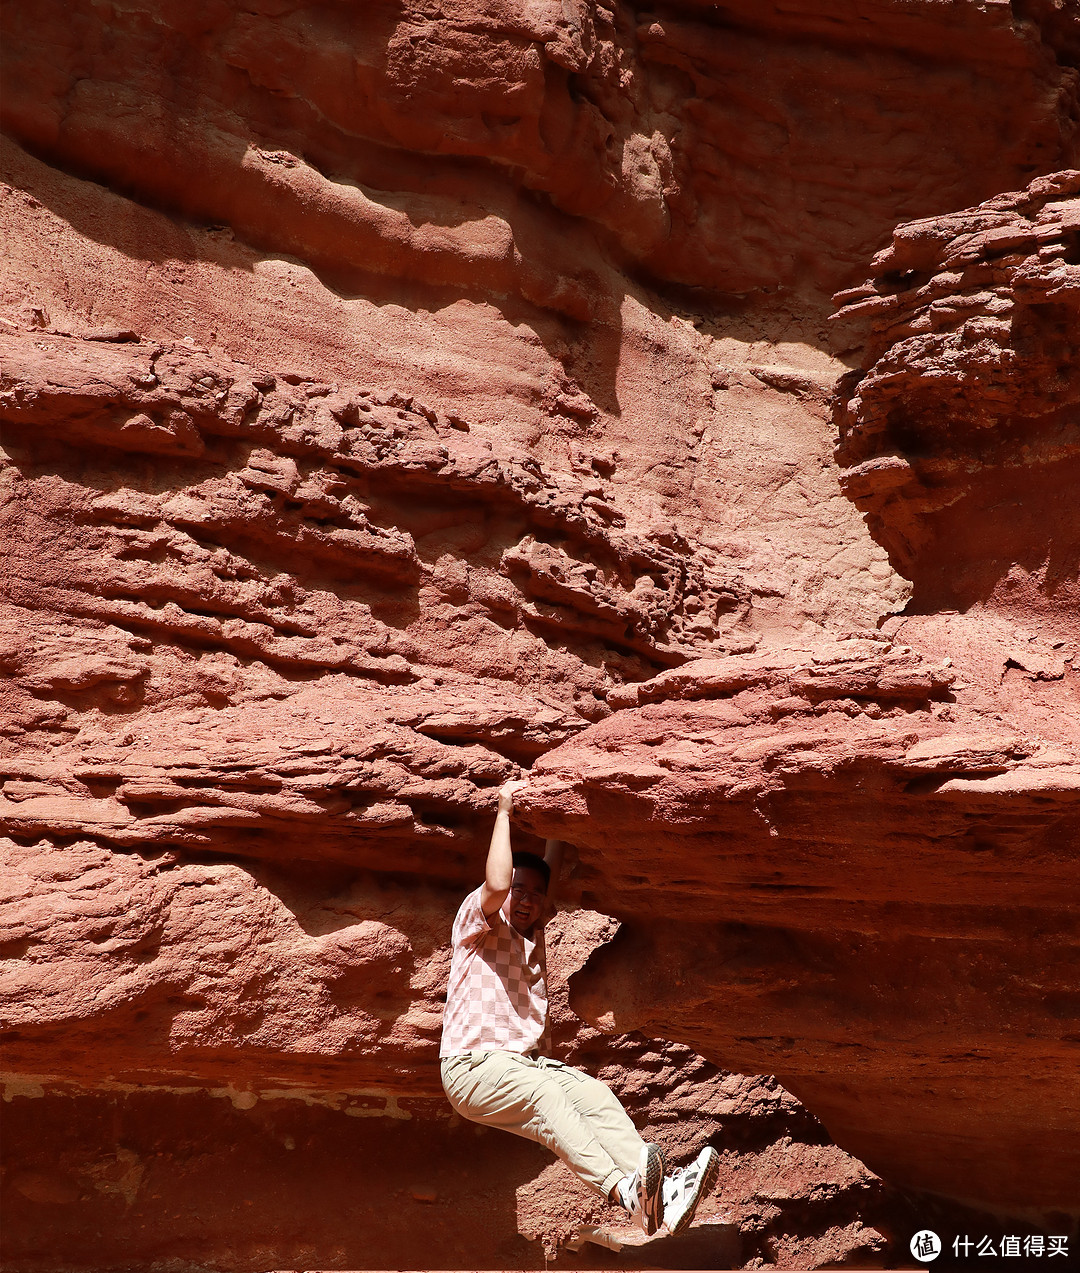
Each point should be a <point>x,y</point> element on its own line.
<point>528,897</point>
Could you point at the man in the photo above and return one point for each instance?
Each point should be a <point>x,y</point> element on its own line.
<point>493,1070</point>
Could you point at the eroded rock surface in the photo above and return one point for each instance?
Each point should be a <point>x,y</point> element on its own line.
<point>959,440</point>
<point>477,148</point>
<point>396,399</point>
<point>841,847</point>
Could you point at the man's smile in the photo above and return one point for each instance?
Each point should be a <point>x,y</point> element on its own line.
<point>522,916</point>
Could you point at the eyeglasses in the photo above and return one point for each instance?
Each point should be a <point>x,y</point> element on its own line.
<point>519,891</point>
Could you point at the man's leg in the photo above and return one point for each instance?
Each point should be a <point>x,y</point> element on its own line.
<point>602,1110</point>
<point>611,1124</point>
<point>519,1095</point>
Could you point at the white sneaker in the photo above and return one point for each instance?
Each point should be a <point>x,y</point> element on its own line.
<point>684,1189</point>
<point>642,1194</point>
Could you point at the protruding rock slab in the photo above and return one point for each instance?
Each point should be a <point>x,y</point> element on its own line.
<point>871,896</point>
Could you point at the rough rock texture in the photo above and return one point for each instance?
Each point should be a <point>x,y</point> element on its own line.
<point>705,148</point>
<point>970,403</point>
<point>397,397</point>
<point>865,946</point>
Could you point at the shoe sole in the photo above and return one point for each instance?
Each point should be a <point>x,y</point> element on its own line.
<point>704,1185</point>
<point>651,1168</point>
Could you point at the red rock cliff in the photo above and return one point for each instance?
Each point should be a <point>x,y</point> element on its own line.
<point>395,398</point>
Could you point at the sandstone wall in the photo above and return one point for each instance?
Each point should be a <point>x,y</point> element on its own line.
<point>394,399</point>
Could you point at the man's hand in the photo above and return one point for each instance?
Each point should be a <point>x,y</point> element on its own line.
<point>499,873</point>
<point>506,793</point>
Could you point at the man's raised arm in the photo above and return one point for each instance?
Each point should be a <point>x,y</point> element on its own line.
<point>499,874</point>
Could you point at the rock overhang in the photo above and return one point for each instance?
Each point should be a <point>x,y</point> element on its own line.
<point>880,911</point>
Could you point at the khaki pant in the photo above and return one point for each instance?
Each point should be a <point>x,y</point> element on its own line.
<point>575,1116</point>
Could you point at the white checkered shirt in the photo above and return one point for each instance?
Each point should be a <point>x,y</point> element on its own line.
<point>496,997</point>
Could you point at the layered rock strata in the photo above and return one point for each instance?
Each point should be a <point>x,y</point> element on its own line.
<point>267,659</point>
<point>481,148</point>
<point>393,400</point>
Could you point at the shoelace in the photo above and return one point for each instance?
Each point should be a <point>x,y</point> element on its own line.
<point>673,1184</point>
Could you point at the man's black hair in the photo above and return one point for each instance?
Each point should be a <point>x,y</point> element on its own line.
<point>534,863</point>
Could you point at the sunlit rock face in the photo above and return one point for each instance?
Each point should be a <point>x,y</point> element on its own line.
<point>959,438</point>
<point>542,150</point>
<point>394,400</point>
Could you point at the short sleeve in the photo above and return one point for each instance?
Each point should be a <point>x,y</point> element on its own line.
<point>470,922</point>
